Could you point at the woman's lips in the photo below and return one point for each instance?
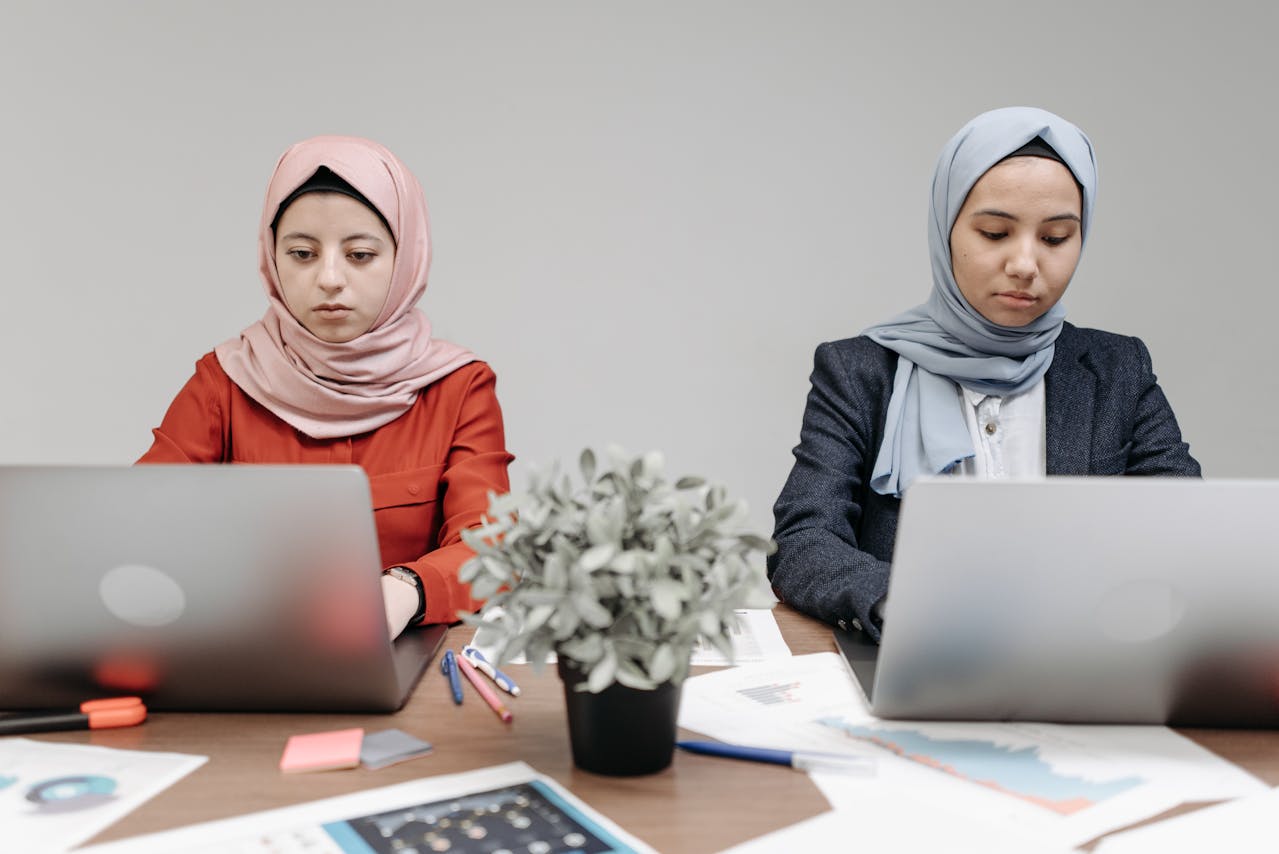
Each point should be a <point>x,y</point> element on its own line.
<point>1016,299</point>
<point>332,310</point>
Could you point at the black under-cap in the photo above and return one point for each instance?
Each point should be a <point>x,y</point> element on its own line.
<point>325,180</point>
<point>1035,148</point>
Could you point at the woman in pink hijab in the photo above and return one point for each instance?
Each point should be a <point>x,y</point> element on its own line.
<point>342,368</point>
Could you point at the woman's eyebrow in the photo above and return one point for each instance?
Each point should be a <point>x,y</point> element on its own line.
<point>1005,215</point>
<point>995,212</point>
<point>363,235</point>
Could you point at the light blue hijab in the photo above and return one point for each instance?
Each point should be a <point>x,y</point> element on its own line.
<point>945,341</point>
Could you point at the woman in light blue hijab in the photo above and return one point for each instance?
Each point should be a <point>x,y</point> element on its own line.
<point>985,379</point>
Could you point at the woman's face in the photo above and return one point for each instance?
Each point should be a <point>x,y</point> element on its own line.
<point>335,258</point>
<point>1016,241</point>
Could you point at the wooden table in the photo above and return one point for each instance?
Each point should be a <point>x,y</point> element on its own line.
<point>696,805</point>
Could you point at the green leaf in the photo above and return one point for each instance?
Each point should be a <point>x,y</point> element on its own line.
<point>528,597</point>
<point>596,556</point>
<point>483,587</point>
<point>663,551</point>
<point>756,543</point>
<point>668,598</point>
<point>758,597</point>
<point>646,622</point>
<point>662,664</point>
<point>489,633</point>
<point>496,568</point>
<point>652,464</point>
<point>564,622</point>
<point>555,572</point>
<point>587,463</point>
<point>632,677</point>
<point>587,650</point>
<point>627,562</point>
<point>538,616</point>
<point>538,651</point>
<point>602,674</point>
<point>592,611</point>
<point>605,522</point>
<point>724,645</point>
<point>470,569</point>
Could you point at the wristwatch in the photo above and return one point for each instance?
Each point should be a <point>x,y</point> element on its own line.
<point>411,578</point>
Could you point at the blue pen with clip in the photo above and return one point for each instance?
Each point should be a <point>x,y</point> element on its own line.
<point>803,760</point>
<point>449,668</point>
<point>480,663</point>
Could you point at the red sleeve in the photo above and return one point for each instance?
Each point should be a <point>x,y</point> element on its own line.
<point>476,464</point>
<point>194,430</point>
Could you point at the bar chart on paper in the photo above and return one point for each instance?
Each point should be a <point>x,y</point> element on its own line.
<point>772,695</point>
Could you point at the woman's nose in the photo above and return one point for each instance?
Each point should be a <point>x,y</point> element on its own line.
<point>1022,263</point>
<point>331,276</point>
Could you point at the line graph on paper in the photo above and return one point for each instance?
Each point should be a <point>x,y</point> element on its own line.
<point>1022,772</point>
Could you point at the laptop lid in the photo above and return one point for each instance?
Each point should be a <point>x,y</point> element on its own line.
<point>1102,600</point>
<point>214,587</point>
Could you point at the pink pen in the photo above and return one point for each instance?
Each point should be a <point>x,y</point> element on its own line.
<point>485,691</point>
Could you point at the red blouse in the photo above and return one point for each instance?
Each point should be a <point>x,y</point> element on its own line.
<point>430,470</point>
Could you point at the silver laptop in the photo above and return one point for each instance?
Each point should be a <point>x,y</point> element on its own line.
<point>198,587</point>
<point>1100,600</point>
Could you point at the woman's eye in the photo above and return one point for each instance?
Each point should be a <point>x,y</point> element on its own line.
<point>361,257</point>
<point>302,254</point>
<point>1055,241</point>
<point>993,235</point>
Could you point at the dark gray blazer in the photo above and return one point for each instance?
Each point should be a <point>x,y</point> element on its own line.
<point>1105,415</point>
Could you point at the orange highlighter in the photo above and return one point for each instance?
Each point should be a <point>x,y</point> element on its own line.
<point>92,714</point>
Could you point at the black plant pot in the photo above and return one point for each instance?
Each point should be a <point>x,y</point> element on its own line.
<point>621,731</point>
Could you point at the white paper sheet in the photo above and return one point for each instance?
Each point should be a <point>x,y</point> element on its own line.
<point>342,825</point>
<point>1245,826</point>
<point>1063,784</point>
<point>755,638</point>
<point>886,823</point>
<point>55,796</point>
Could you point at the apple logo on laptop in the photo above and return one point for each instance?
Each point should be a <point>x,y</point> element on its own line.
<point>142,595</point>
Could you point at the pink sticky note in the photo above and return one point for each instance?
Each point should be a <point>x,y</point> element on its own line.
<point>322,751</point>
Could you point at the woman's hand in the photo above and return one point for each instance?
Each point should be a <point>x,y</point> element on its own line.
<point>401,603</point>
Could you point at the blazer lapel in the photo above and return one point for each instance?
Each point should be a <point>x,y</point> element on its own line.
<point>1069,389</point>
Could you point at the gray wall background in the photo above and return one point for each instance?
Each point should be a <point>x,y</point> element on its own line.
<point>646,215</point>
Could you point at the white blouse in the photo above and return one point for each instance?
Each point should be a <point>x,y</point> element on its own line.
<point>1008,435</point>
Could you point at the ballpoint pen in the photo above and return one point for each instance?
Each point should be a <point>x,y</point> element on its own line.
<point>449,667</point>
<point>92,714</point>
<point>485,691</point>
<point>800,759</point>
<point>483,665</point>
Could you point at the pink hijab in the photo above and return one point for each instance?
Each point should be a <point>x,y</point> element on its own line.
<point>332,390</point>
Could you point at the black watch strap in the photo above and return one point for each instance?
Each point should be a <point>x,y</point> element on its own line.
<point>408,576</point>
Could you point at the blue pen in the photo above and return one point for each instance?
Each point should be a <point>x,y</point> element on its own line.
<point>482,664</point>
<point>449,667</point>
<point>803,760</point>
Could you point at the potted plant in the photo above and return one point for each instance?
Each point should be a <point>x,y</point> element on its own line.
<point>619,577</point>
